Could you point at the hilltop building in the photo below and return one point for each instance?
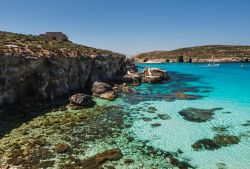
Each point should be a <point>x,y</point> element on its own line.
<point>59,36</point>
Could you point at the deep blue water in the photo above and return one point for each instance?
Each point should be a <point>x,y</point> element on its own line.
<point>226,86</point>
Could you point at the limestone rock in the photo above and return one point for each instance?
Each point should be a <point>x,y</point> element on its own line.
<point>132,78</point>
<point>100,87</point>
<point>26,79</point>
<point>81,99</point>
<point>108,96</point>
<point>153,75</point>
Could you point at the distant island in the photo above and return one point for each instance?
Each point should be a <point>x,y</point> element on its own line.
<point>210,53</point>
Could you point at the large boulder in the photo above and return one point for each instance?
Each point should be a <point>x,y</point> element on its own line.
<point>108,96</point>
<point>81,99</point>
<point>153,75</point>
<point>100,87</point>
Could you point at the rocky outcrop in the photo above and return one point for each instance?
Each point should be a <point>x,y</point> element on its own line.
<point>81,99</point>
<point>153,75</point>
<point>103,90</point>
<point>100,87</point>
<point>24,78</point>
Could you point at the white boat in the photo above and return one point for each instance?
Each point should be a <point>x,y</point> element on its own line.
<point>213,64</point>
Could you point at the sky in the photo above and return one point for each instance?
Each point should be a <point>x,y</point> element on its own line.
<point>132,26</point>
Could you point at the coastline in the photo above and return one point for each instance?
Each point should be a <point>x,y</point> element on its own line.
<point>225,60</point>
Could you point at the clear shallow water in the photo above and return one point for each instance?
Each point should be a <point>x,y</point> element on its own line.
<point>30,140</point>
<point>226,86</point>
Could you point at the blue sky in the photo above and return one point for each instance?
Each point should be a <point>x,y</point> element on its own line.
<point>132,26</point>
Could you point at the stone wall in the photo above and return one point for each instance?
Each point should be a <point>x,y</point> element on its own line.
<point>35,78</point>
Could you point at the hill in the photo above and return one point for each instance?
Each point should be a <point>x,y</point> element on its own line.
<point>219,53</point>
<point>39,46</point>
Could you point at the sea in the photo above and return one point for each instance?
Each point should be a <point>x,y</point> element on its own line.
<point>199,118</point>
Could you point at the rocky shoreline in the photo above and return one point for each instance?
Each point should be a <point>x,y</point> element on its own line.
<point>221,60</point>
<point>198,54</point>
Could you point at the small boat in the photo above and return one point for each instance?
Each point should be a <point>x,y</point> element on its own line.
<point>213,64</point>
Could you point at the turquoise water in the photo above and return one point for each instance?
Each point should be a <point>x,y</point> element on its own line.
<point>225,86</point>
<point>144,123</point>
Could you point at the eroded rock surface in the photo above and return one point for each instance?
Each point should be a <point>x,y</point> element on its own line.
<point>81,99</point>
<point>218,141</point>
<point>25,79</point>
<point>108,96</point>
<point>100,87</point>
<point>153,75</point>
<point>198,115</point>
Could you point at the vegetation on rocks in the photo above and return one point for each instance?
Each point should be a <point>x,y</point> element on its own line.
<point>31,45</point>
<point>196,53</point>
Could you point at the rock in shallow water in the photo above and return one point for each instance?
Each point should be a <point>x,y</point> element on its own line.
<point>108,96</point>
<point>198,115</point>
<point>61,148</point>
<point>217,142</point>
<point>205,143</point>
<point>153,75</point>
<point>81,99</point>
<point>100,87</point>
<point>226,140</point>
<point>156,125</point>
<point>113,154</point>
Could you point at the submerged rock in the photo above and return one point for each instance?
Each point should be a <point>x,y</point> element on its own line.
<point>156,125</point>
<point>247,123</point>
<point>221,166</point>
<point>205,143</point>
<point>217,142</point>
<point>146,119</point>
<point>81,99</point>
<point>61,148</point>
<point>164,116</point>
<point>198,115</point>
<point>152,109</point>
<point>128,161</point>
<point>96,161</point>
<point>153,75</point>
<point>113,154</point>
<point>220,129</point>
<point>226,140</point>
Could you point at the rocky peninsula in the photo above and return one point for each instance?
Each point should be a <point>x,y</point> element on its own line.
<point>51,114</point>
<point>199,54</point>
<point>44,68</point>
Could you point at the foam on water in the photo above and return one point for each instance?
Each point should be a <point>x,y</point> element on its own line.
<point>230,92</point>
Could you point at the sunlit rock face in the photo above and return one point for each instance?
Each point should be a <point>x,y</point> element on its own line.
<point>153,75</point>
<point>25,79</point>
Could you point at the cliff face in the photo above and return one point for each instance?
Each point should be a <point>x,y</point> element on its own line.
<point>27,76</point>
<point>24,78</point>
